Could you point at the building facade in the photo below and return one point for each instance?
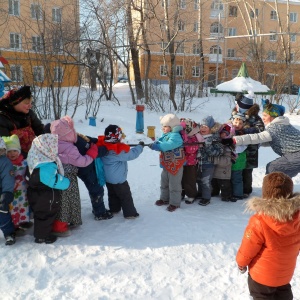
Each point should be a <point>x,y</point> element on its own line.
<point>264,34</point>
<point>39,40</point>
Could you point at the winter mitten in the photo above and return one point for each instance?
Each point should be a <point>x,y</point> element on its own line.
<point>93,151</point>
<point>5,199</point>
<point>142,143</point>
<point>154,146</point>
<point>228,141</point>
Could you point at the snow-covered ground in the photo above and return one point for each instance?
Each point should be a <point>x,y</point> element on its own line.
<point>187,254</point>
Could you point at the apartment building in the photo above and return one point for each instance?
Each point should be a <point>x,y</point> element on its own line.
<point>263,34</point>
<point>39,39</point>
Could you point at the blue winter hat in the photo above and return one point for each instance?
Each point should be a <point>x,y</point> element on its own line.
<point>208,121</point>
<point>274,110</point>
<point>239,116</point>
<point>245,102</point>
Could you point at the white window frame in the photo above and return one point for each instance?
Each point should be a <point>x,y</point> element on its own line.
<point>182,4</point>
<point>38,73</point>
<point>196,4</point>
<point>273,37</point>
<point>215,27</point>
<point>179,70</point>
<point>217,5</point>
<point>231,31</point>
<point>271,56</point>
<point>36,11</point>
<point>273,15</point>
<point>196,48</point>
<point>163,70</point>
<point>15,41</point>
<point>37,43</point>
<point>16,73</point>
<point>196,26</point>
<point>181,25</point>
<point>293,37</point>
<point>56,14</point>
<point>230,52</point>
<point>180,48</point>
<point>293,17</point>
<point>14,7</point>
<point>58,74</point>
<point>57,44</point>
<point>195,71</point>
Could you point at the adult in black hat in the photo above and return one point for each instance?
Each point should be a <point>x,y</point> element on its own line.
<point>17,117</point>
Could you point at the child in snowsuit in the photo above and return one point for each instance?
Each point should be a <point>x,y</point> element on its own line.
<point>172,159</point>
<point>271,242</point>
<point>191,136</point>
<point>212,148</point>
<point>222,174</point>
<point>45,180</point>
<point>7,183</point>
<point>253,124</point>
<point>19,209</point>
<point>116,168</point>
<point>241,160</point>
<point>70,208</point>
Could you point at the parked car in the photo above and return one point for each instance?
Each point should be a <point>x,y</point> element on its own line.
<point>293,89</point>
<point>123,79</point>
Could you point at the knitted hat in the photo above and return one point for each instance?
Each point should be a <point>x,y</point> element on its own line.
<point>228,129</point>
<point>274,110</point>
<point>113,134</point>
<point>277,185</point>
<point>65,130</point>
<point>245,102</point>
<point>14,97</point>
<point>169,120</point>
<point>208,121</point>
<point>2,143</point>
<point>12,143</point>
<point>239,116</point>
<point>190,126</point>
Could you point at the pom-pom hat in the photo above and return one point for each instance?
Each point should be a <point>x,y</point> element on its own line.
<point>274,110</point>
<point>208,121</point>
<point>239,116</point>
<point>245,102</point>
<point>12,143</point>
<point>113,134</point>
<point>277,185</point>
<point>170,120</point>
<point>14,97</point>
<point>65,130</point>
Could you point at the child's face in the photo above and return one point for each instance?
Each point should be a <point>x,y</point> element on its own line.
<point>204,130</point>
<point>223,135</point>
<point>266,118</point>
<point>238,123</point>
<point>23,106</point>
<point>12,154</point>
<point>166,129</point>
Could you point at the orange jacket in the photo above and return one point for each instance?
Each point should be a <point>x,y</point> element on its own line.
<point>271,241</point>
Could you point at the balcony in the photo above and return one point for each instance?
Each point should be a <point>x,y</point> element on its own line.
<point>213,58</point>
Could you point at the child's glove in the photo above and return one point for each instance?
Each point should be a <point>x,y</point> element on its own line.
<point>5,199</point>
<point>228,142</point>
<point>242,269</point>
<point>93,151</point>
<point>142,143</point>
<point>154,146</point>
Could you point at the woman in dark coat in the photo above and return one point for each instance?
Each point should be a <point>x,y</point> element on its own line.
<point>16,117</point>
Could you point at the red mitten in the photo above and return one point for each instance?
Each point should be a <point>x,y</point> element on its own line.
<point>93,151</point>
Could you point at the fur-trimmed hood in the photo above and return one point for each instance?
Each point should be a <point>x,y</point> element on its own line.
<point>252,111</point>
<point>215,128</point>
<point>280,209</point>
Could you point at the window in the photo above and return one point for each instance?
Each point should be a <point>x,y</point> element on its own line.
<point>196,26</point>
<point>16,73</point>
<point>56,14</point>
<point>38,74</point>
<point>217,5</point>
<point>164,46</point>
<point>293,37</point>
<point>182,4</point>
<point>14,7</point>
<point>196,49</point>
<point>230,53</point>
<point>293,17</point>
<point>234,73</point>
<point>252,33</point>
<point>273,37</point>
<point>58,74</point>
<point>181,25</point>
<point>271,55</point>
<point>180,47</point>
<point>253,13</point>
<point>195,71</point>
<point>273,15</point>
<point>15,40</point>
<point>196,4</point>
<point>214,50</point>
<point>292,56</point>
<point>179,70</point>
<point>216,28</point>
<point>163,70</point>
<point>37,43</point>
<point>57,44</point>
<point>232,31</point>
<point>232,11</point>
<point>36,11</point>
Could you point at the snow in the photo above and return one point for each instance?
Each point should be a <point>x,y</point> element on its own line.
<point>187,254</point>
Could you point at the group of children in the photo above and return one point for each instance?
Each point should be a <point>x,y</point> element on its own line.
<point>197,165</point>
